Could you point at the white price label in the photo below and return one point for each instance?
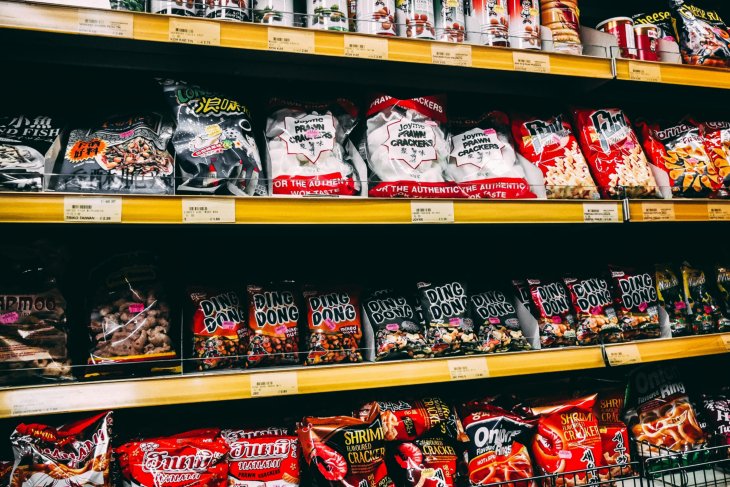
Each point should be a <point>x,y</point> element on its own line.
<point>294,40</point>
<point>532,63</point>
<point>718,211</point>
<point>645,72</point>
<point>209,210</point>
<point>432,212</point>
<point>623,355</point>
<point>92,210</point>
<point>600,212</point>
<point>657,212</point>
<point>451,54</point>
<point>106,23</point>
<point>274,384</point>
<point>468,368</point>
<point>366,47</point>
<point>197,32</point>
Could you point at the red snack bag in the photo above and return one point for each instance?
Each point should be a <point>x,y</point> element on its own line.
<point>408,420</point>
<point>716,139</point>
<point>549,144</point>
<point>614,154</point>
<point>334,328</point>
<point>427,462</point>
<point>76,454</point>
<point>273,318</point>
<point>220,336</point>
<point>554,316</point>
<point>637,302</point>
<point>263,460</point>
<point>593,306</point>
<point>614,432</point>
<point>343,451</point>
<point>192,459</point>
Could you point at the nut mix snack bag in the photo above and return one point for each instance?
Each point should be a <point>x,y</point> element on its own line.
<point>449,330</point>
<point>614,432</point>
<point>273,319</point>
<point>707,316</point>
<point>498,329</point>
<point>397,331</point>
<point>25,143</point>
<point>637,302</point>
<point>549,144</point>
<point>554,316</point>
<point>593,306</point>
<point>562,18</point>
<point>126,154</point>
<point>307,144</point>
<point>429,461</point>
<point>76,454</point>
<point>670,291</point>
<point>214,142</point>
<point>614,153</point>
<point>343,451</point>
<point>262,460</point>
<point>482,161</point>
<point>218,324</point>
<point>409,420</point>
<point>703,36</point>
<point>334,328</point>
<point>716,139</point>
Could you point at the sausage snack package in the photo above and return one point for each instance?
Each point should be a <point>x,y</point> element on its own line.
<point>593,306</point>
<point>214,142</point>
<point>637,302</point>
<point>408,420</point>
<point>716,139</point>
<point>308,148</point>
<point>26,142</point>
<point>157,462</point>
<point>482,162</point>
<point>707,316</point>
<point>218,324</point>
<point>555,318</point>
<point>703,36</point>
<point>497,448</point>
<point>429,461</point>
<point>614,154</point>
<point>273,320</point>
<point>343,451</point>
<point>75,454</point>
<point>614,432</point>
<point>548,145</point>
<point>498,329</point>
<point>334,328</point>
<point>262,460</point>
<point>449,329</point>
<point>716,408</point>
<point>670,291</point>
<point>722,282</point>
<point>397,331</point>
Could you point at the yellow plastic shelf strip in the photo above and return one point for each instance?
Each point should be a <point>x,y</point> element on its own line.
<point>671,348</point>
<point>676,74</point>
<point>679,210</point>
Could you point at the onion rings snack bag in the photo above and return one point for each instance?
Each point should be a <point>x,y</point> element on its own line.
<point>703,36</point>
<point>593,306</point>
<point>498,328</point>
<point>554,313</point>
<point>670,291</point>
<point>397,330</point>
<point>449,329</point>
<point>637,302</point>
<point>707,317</point>
<point>429,461</point>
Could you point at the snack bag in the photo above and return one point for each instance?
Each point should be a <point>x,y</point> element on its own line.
<point>716,408</point>
<point>670,292</point>
<point>265,460</point>
<point>449,330</point>
<point>426,462</point>
<point>703,36</point>
<point>214,142</point>
<point>343,451</point>
<point>614,433</point>
<point>397,331</point>
<point>77,454</point>
<point>482,161</point>
<point>334,328</point>
<point>707,317</point>
<point>409,420</point>
<point>678,150</point>
<point>593,306</point>
<point>26,141</point>
<point>637,302</point>
<point>549,145</point>
<point>661,18</point>
<point>716,139</point>
<point>247,433</point>
<point>614,154</point>
<point>308,148</point>
<point>498,329</point>
<point>563,20</point>
<point>524,295</point>
<point>722,281</point>
<point>273,320</point>
<point>554,316</point>
<point>218,324</point>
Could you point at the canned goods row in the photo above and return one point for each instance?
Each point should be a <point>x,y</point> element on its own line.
<point>640,41</point>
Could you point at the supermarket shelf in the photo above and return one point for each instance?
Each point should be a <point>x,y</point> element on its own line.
<point>667,349</point>
<point>679,210</point>
<point>675,74</point>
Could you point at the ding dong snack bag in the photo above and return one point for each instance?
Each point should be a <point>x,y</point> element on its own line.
<point>614,432</point>
<point>554,313</point>
<point>449,329</point>
<point>262,459</point>
<point>342,451</point>
<point>498,329</point>
<point>593,306</point>
<point>395,326</point>
<point>614,153</point>
<point>703,36</point>
<point>408,420</point>
<point>77,454</point>
<point>334,328</point>
<point>273,320</point>
<point>637,302</point>
<point>549,145</point>
<point>425,462</point>
<point>716,139</point>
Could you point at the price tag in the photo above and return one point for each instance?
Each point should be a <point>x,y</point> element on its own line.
<point>657,212</point>
<point>432,212</point>
<point>645,72</point>
<point>451,54</point>
<point>366,47</point>
<point>92,210</point>
<point>294,40</point>
<point>274,384</point>
<point>197,32</point>
<point>533,63</point>
<point>106,23</point>
<point>623,355</point>
<point>725,341</point>
<point>209,210</point>
<point>467,368</point>
<point>600,213</point>
<point>718,211</point>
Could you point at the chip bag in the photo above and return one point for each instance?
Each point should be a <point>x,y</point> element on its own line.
<point>722,281</point>
<point>593,306</point>
<point>716,139</point>
<point>397,330</point>
<point>273,321</point>
<point>637,302</point>
<point>498,328</point>
<point>426,462</point>
<point>703,36</point>
<point>449,329</point>
<point>409,420</point>
<point>334,328</point>
<point>707,317</point>
<point>554,313</point>
<point>614,432</point>
<point>670,291</point>
<point>266,459</point>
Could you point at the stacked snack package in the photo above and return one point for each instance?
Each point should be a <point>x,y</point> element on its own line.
<point>555,319</point>
<point>562,18</point>
<point>495,317</point>
<point>593,306</point>
<point>334,328</point>
<point>273,320</point>
<point>706,317</point>
<point>449,329</point>
<point>670,292</point>
<point>26,141</point>
<point>703,36</point>
<point>549,145</point>
<point>637,302</point>
<point>614,432</point>
<point>716,138</point>
<point>268,457</point>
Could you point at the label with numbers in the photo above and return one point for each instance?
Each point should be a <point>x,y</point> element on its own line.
<point>718,211</point>
<point>600,212</point>
<point>725,341</point>
<point>366,47</point>
<point>657,212</point>
<point>533,63</point>
<point>432,211</point>
<point>451,54</point>
<point>106,23</point>
<point>209,210</point>
<point>274,384</point>
<point>197,32</point>
<point>468,368</point>
<point>294,40</point>
<point>623,355</point>
<point>92,210</point>
<point>645,72</point>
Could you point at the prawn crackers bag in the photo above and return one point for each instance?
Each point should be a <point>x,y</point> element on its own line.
<point>614,432</point>
<point>449,330</point>
<point>397,331</point>
<point>429,461</point>
<point>214,142</point>
<point>703,36</point>
<point>670,291</point>
<point>637,302</point>
<point>554,313</point>
<point>593,306</point>
<point>498,329</point>
<point>409,420</point>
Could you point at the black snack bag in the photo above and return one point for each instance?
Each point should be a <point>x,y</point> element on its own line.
<point>707,317</point>
<point>669,290</point>
<point>703,36</point>
<point>449,330</point>
<point>593,306</point>
<point>722,283</point>
<point>397,331</point>
<point>273,320</point>
<point>498,329</point>
<point>636,302</point>
<point>25,142</point>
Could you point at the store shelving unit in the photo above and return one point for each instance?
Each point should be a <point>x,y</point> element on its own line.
<point>675,74</point>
